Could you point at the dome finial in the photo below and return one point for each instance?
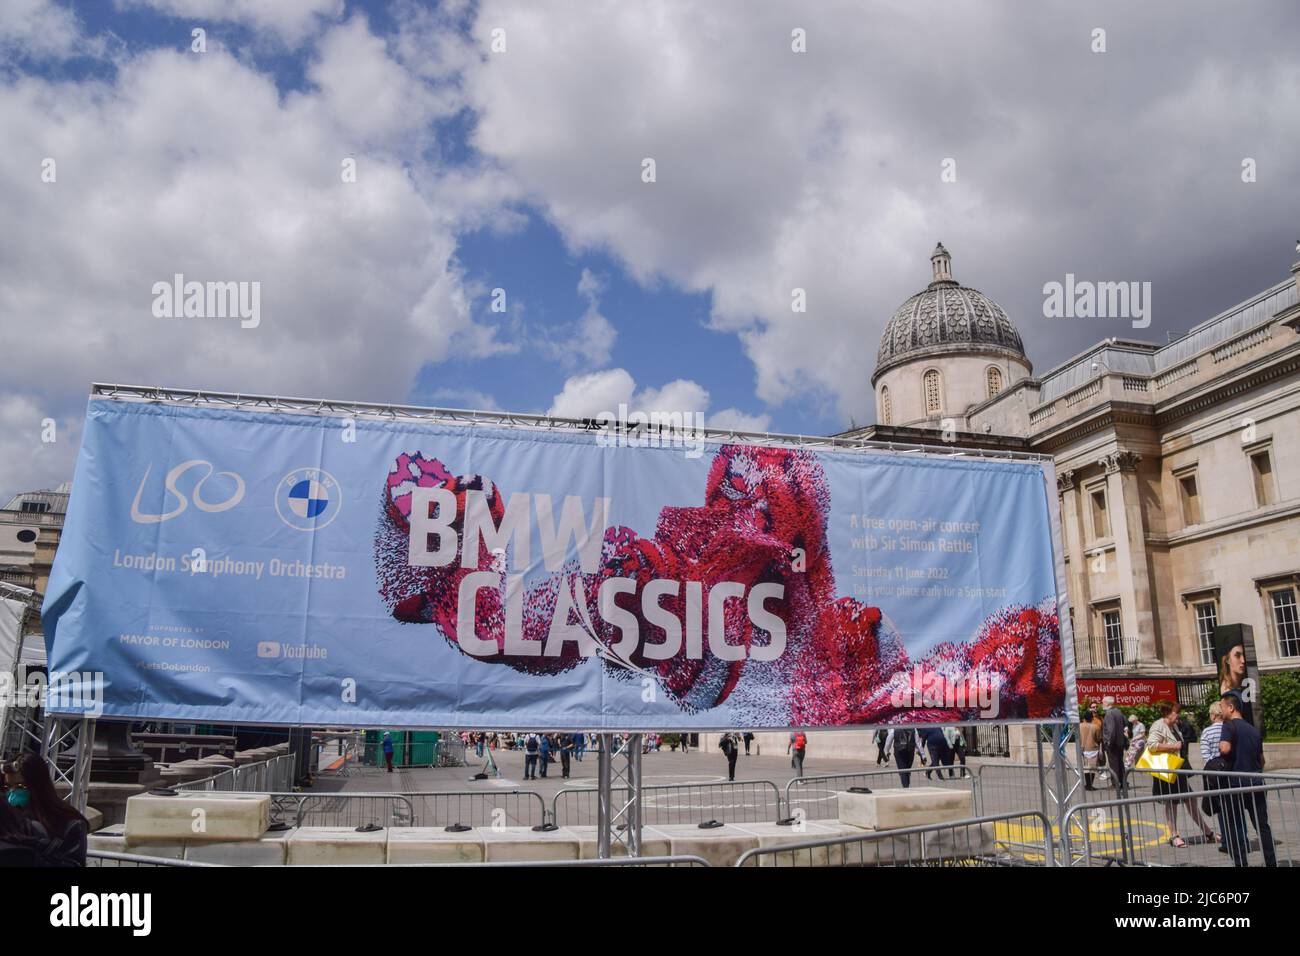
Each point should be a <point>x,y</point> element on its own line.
<point>941,262</point>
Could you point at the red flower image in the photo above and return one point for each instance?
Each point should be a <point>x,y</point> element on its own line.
<point>698,595</point>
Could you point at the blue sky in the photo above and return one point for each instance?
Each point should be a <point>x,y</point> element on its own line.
<point>520,169</point>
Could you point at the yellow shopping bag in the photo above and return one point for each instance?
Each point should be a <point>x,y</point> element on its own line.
<point>1159,762</point>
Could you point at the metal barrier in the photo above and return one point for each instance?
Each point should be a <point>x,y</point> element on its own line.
<point>979,841</point>
<point>341,809</point>
<point>740,801</point>
<point>264,776</point>
<point>451,751</point>
<point>815,796</point>
<point>1137,831</point>
<point>223,780</point>
<point>478,808</point>
<point>107,858</point>
<point>622,861</point>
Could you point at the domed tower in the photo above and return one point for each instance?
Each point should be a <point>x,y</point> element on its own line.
<point>947,348</point>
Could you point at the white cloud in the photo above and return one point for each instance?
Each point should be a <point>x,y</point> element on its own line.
<point>735,420</point>
<point>586,396</point>
<point>588,341</point>
<point>198,165</point>
<point>292,21</point>
<point>821,171</point>
<point>38,29</point>
<point>29,460</point>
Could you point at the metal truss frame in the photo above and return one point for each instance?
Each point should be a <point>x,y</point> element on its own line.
<point>381,412</point>
<point>619,796</point>
<point>70,739</point>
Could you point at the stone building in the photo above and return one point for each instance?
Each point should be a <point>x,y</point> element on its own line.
<point>1178,465</point>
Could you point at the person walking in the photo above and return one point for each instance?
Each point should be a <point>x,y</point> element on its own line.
<point>544,757</point>
<point>1165,739</point>
<point>1243,748</point>
<point>937,747</point>
<point>388,751</point>
<point>566,752</point>
<point>1090,744</point>
<point>532,747</point>
<point>579,745</point>
<point>730,749</point>
<point>956,747</point>
<point>1113,742</point>
<point>797,747</point>
<point>904,753</point>
<point>749,739</point>
<point>882,739</point>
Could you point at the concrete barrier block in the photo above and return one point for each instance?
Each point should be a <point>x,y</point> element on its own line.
<point>720,847</point>
<point>112,839</point>
<point>520,844</point>
<point>896,809</point>
<point>335,846</point>
<point>434,845</point>
<point>176,819</point>
<point>271,850</point>
<point>651,845</point>
<point>772,836</point>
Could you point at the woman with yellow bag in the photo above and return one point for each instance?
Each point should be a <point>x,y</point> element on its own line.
<point>1162,755</point>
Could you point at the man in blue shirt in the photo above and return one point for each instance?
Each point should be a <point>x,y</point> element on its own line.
<point>1243,749</point>
<point>388,751</point>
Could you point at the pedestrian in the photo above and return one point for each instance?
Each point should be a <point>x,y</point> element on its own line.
<point>686,738</point>
<point>956,748</point>
<point>1137,742</point>
<point>730,749</point>
<point>1243,749</point>
<point>579,745</point>
<point>532,747</point>
<point>566,752</point>
<point>749,739</point>
<point>797,747</point>
<point>64,828</point>
<point>1165,739</point>
<point>1214,763</point>
<point>544,758</point>
<point>882,739</point>
<point>937,747</point>
<point>388,751</point>
<point>1112,741</point>
<point>904,753</point>
<point>1090,744</point>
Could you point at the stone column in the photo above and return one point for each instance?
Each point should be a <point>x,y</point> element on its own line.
<point>1128,529</point>
<point>1076,583</point>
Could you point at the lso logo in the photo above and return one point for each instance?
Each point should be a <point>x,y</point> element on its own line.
<point>307,499</point>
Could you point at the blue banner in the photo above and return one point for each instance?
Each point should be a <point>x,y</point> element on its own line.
<point>235,566</point>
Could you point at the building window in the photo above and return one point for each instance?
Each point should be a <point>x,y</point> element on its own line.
<point>1100,519</point>
<point>1110,629</point>
<point>1286,623</point>
<point>933,392</point>
<point>994,378</point>
<point>1261,470</point>
<point>1190,498</point>
<point>886,407</point>
<point>1207,619</point>
<point>35,507</point>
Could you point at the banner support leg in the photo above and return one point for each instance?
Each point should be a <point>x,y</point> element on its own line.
<point>619,796</point>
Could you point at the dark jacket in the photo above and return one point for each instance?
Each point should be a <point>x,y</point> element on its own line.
<point>1113,725</point>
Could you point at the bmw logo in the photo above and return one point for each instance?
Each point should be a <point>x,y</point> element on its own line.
<point>307,499</point>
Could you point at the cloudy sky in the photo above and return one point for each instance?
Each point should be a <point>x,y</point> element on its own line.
<point>501,145</point>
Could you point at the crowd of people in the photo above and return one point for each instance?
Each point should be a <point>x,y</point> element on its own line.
<point>37,828</point>
<point>1229,744</point>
